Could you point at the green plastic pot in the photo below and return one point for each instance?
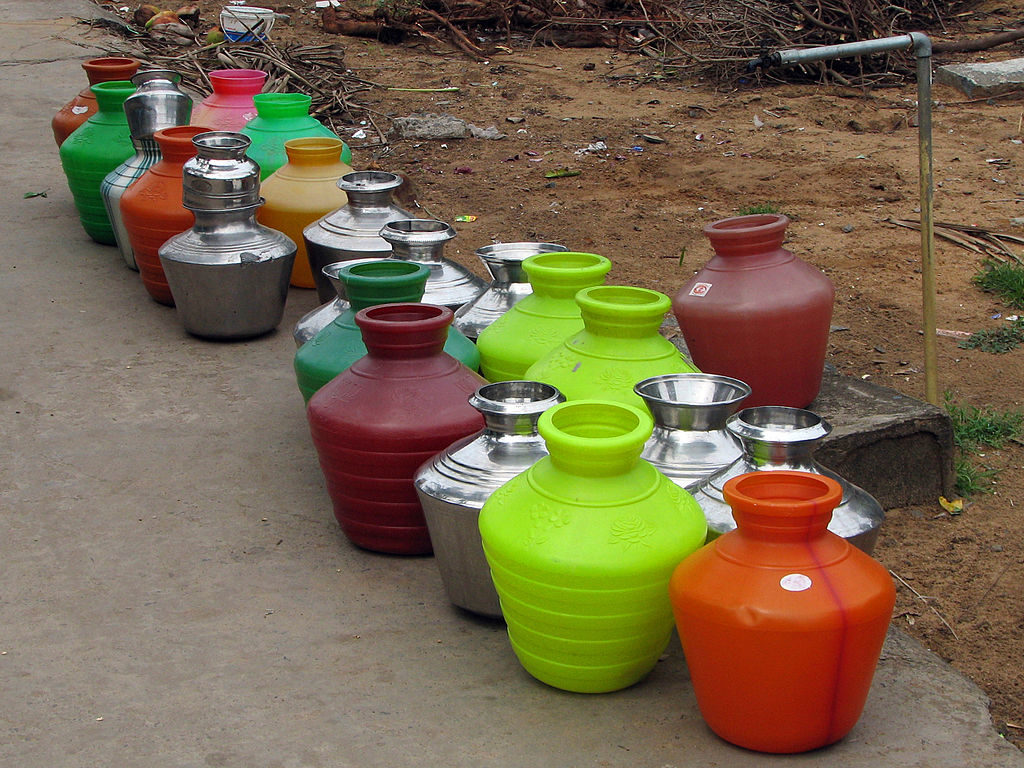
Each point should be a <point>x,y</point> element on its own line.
<point>340,343</point>
<point>280,117</point>
<point>96,148</point>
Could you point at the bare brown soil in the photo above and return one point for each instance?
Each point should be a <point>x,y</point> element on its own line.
<point>839,162</point>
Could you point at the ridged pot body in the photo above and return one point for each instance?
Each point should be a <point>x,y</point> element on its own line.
<point>228,274</point>
<point>454,485</point>
<point>231,105</point>
<point>353,231</point>
<point>83,106</point>
<point>152,209</point>
<point>539,321</point>
<point>774,438</point>
<point>757,313</point>
<point>509,284</point>
<point>618,346</point>
<point>377,421</point>
<point>782,622</point>
<point>96,148</point>
<point>690,441</point>
<point>281,117</point>
<point>422,241</point>
<point>301,191</point>
<point>157,103</point>
<point>581,546</point>
<point>340,344</point>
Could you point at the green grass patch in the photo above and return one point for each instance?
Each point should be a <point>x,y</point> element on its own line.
<point>997,340</point>
<point>751,210</point>
<point>975,428</point>
<point>1004,280</point>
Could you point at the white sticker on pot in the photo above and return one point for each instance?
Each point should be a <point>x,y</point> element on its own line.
<point>795,582</point>
<point>700,289</point>
<point>79,110</point>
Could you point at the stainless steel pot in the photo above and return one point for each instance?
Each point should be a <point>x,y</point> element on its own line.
<point>228,274</point>
<point>509,284</point>
<point>690,441</point>
<point>157,103</point>
<point>353,231</point>
<point>777,437</point>
<point>422,241</point>
<point>454,485</point>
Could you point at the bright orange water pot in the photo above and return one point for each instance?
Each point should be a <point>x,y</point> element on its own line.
<point>782,622</point>
<point>84,106</point>
<point>151,208</point>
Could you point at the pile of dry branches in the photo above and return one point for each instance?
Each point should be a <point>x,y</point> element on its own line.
<point>708,37</point>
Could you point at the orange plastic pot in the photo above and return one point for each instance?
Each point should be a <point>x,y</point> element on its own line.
<point>782,622</point>
<point>152,210</point>
<point>83,106</point>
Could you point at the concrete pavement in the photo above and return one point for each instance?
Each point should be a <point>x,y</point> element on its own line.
<point>176,592</point>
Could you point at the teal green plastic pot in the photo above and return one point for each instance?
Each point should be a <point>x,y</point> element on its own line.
<point>340,343</point>
<point>280,117</point>
<point>535,325</point>
<point>92,151</point>
<point>581,547</point>
<point>619,346</point>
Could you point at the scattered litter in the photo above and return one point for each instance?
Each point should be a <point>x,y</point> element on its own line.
<point>536,159</point>
<point>650,138</point>
<point>531,153</point>
<point>327,3</point>
<point>1002,162</point>
<point>848,228</point>
<point>27,195</point>
<point>996,316</point>
<point>637,148</point>
<point>699,137</point>
<point>561,173</point>
<point>465,218</point>
<point>360,134</point>
<point>515,120</point>
<point>954,507</point>
<point>952,334</point>
<point>758,123</point>
<point>510,159</point>
<point>463,169</point>
<point>597,146</point>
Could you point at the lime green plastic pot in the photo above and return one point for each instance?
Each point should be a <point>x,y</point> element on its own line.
<point>532,327</point>
<point>581,547</point>
<point>619,345</point>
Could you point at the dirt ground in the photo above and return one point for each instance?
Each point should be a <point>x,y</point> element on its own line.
<point>680,154</point>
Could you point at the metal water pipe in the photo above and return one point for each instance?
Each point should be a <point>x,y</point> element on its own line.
<point>922,46</point>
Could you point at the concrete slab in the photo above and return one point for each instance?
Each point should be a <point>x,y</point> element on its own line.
<point>176,592</point>
<point>978,80</point>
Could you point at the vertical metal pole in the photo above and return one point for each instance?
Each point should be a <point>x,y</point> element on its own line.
<point>923,50</point>
<point>922,46</point>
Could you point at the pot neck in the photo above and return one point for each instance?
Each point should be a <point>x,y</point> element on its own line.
<point>110,98</point>
<point>109,68</point>
<point>514,407</point>
<point>236,82</point>
<point>622,311</point>
<point>282,106</point>
<point>563,275</point>
<point>404,331</point>
<point>419,240</point>
<point>594,438</point>
<point>782,506</point>
<point>750,241</point>
<point>777,435</point>
<point>312,152</point>
<point>383,282</point>
<point>369,190</point>
<point>176,143</point>
<point>211,221</point>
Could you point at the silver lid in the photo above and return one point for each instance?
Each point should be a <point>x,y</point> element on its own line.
<point>221,176</point>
